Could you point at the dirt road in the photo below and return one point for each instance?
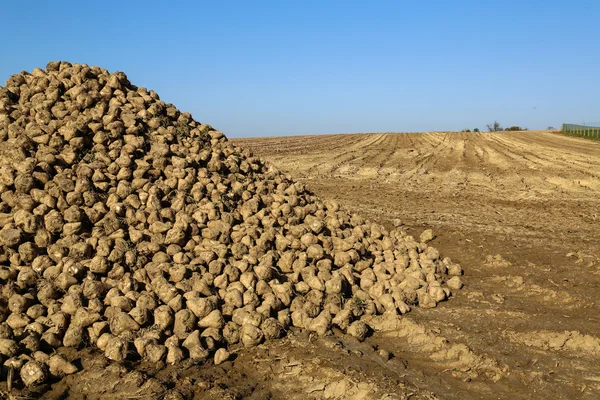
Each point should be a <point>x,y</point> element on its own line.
<point>520,211</point>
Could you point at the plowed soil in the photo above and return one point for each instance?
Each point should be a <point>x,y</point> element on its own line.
<point>520,211</point>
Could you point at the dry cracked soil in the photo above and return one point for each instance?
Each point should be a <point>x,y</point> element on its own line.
<point>519,211</point>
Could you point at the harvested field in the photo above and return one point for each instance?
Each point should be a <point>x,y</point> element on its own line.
<point>520,211</point>
<point>143,255</point>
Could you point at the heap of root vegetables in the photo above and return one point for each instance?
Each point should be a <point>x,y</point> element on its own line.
<point>127,226</point>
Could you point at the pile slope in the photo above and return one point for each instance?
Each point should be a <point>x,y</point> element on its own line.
<point>127,226</point>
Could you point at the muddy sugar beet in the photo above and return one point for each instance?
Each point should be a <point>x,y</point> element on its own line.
<point>127,226</point>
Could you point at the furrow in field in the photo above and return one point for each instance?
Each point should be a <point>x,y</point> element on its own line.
<point>366,151</point>
<point>347,156</point>
<point>555,154</point>
<point>339,156</point>
<point>557,172</point>
<point>383,162</point>
<point>553,159</point>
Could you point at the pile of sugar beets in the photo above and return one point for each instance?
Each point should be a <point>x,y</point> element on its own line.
<point>127,226</point>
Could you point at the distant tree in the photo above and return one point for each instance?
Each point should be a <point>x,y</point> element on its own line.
<point>466,130</point>
<point>476,130</point>
<point>515,128</point>
<point>551,128</point>
<point>495,127</point>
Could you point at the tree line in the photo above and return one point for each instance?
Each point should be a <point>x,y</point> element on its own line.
<point>496,127</point>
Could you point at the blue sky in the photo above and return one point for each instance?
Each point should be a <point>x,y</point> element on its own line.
<point>258,68</point>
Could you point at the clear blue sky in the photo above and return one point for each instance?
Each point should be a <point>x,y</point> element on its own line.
<point>257,68</point>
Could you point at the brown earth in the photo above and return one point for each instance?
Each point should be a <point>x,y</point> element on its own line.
<point>521,213</point>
